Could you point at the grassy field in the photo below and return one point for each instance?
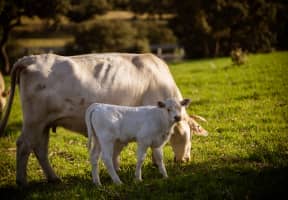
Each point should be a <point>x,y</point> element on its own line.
<point>245,155</point>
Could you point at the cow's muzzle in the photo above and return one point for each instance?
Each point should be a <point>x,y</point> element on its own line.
<point>177,118</point>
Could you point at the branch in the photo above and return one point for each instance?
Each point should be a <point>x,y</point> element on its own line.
<point>16,23</point>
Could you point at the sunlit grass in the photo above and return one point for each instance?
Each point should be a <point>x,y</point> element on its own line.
<point>245,155</point>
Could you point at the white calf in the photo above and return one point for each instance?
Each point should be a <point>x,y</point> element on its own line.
<point>111,126</point>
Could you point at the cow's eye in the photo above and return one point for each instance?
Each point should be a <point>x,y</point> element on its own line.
<point>168,110</point>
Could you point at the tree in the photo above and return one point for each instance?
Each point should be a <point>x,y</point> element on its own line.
<point>104,36</point>
<point>11,12</point>
<point>191,26</point>
<point>81,10</point>
<point>120,36</point>
<point>212,28</point>
<point>151,7</point>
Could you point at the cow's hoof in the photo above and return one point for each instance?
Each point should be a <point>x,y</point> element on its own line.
<point>54,180</point>
<point>21,184</point>
<point>187,159</point>
<point>138,180</point>
<point>183,160</point>
<point>154,165</point>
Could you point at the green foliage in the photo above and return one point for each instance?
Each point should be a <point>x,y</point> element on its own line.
<point>120,36</point>
<point>45,8</point>
<point>208,28</point>
<point>150,6</point>
<point>105,36</point>
<point>12,11</point>
<point>81,10</point>
<point>155,32</point>
<point>245,155</point>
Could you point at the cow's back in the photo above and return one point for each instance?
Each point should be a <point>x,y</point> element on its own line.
<point>56,90</point>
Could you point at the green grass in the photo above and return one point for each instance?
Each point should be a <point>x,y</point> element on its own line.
<point>245,155</point>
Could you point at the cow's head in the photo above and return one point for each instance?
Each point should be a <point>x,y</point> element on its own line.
<point>181,138</point>
<point>174,109</point>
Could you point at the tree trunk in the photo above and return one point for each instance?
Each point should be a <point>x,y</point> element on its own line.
<point>206,49</point>
<point>5,60</point>
<point>5,68</point>
<point>217,48</point>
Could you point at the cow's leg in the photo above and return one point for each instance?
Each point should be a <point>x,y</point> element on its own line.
<point>154,159</point>
<point>187,152</point>
<point>41,151</point>
<point>95,154</point>
<point>118,146</point>
<point>141,154</point>
<point>158,155</point>
<point>23,151</point>
<point>180,142</point>
<point>107,148</point>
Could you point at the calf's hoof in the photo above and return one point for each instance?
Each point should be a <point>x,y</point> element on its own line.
<point>97,184</point>
<point>118,183</point>
<point>165,177</point>
<point>138,180</point>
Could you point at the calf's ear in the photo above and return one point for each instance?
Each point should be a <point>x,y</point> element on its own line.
<point>161,104</point>
<point>185,102</point>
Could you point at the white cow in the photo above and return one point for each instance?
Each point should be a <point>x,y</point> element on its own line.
<point>56,91</point>
<point>150,126</point>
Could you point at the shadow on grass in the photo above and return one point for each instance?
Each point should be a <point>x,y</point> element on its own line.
<point>13,128</point>
<point>231,178</point>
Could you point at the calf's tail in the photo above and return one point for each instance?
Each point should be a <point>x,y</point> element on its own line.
<point>90,132</point>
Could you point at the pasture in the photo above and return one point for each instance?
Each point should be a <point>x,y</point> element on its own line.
<point>245,155</point>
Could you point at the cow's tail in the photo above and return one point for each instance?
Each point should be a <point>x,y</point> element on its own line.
<point>17,67</point>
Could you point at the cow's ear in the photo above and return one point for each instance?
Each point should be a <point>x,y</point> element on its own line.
<point>161,104</point>
<point>195,117</point>
<point>185,102</point>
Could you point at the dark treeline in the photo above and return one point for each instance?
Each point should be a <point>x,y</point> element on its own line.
<point>204,28</point>
<point>208,28</point>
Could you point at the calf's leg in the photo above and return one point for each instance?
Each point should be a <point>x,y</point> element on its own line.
<point>118,146</point>
<point>141,154</point>
<point>95,154</point>
<point>107,154</point>
<point>158,156</point>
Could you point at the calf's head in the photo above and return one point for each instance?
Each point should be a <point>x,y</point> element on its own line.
<point>174,108</point>
<point>184,127</point>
